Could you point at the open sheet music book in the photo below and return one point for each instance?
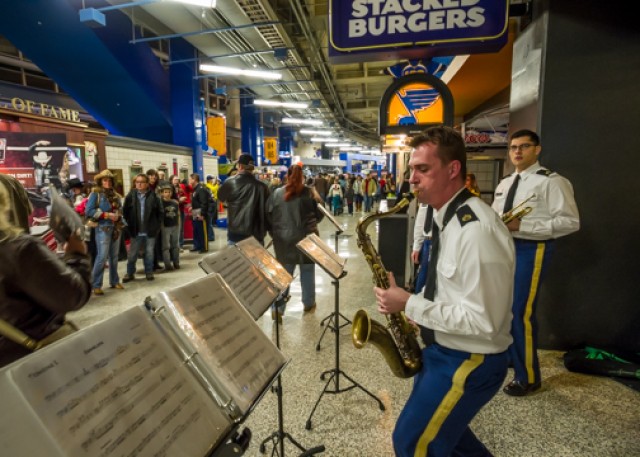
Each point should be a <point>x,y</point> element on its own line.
<point>323,255</point>
<point>167,379</point>
<point>330,217</point>
<point>254,275</point>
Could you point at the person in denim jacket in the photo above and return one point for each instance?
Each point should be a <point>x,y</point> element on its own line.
<point>104,206</point>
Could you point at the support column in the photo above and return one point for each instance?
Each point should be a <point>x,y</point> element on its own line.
<point>186,111</point>
<point>249,127</point>
<point>285,144</point>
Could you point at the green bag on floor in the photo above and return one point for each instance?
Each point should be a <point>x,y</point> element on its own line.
<point>625,367</point>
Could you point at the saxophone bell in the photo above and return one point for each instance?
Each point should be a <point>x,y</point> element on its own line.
<point>365,330</point>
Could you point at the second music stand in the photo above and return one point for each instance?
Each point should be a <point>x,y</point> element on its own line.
<point>277,438</point>
<point>329,321</point>
<point>330,262</point>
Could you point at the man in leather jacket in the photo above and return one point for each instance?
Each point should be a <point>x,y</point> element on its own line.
<point>245,197</point>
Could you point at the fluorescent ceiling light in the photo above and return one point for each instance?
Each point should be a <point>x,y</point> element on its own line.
<point>203,3</point>
<point>338,145</point>
<point>281,104</point>
<point>324,140</point>
<point>294,120</point>
<point>316,132</point>
<point>240,72</point>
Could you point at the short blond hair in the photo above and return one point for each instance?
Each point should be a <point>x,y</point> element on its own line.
<point>7,228</point>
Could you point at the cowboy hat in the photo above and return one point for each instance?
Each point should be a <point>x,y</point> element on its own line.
<point>42,158</point>
<point>104,174</point>
<point>75,182</point>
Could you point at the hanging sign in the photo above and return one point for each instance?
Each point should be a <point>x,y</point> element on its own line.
<point>380,26</point>
<point>271,150</point>
<point>217,135</point>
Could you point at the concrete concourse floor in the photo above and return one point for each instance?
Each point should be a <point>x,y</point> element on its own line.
<point>572,415</point>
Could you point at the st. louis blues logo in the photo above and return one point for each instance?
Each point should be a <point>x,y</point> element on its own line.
<point>415,100</point>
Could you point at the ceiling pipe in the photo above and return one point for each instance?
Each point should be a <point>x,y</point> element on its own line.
<point>202,32</point>
<point>306,29</point>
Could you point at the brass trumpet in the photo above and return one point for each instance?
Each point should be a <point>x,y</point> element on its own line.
<point>518,211</point>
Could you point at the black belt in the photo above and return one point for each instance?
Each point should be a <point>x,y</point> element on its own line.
<point>523,241</point>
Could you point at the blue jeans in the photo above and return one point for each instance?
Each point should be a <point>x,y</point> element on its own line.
<point>182,216</point>
<point>211,236</point>
<point>307,282</point>
<point>368,203</point>
<point>134,247</point>
<point>107,249</point>
<point>170,246</point>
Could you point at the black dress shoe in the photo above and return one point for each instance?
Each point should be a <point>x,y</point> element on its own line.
<point>520,389</point>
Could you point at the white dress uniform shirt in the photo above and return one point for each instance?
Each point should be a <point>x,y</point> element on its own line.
<point>418,229</point>
<point>471,310</point>
<point>554,210</point>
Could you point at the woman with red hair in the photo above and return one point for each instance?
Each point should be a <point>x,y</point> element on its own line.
<point>292,214</point>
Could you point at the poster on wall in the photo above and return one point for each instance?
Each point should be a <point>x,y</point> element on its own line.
<point>91,157</point>
<point>38,159</point>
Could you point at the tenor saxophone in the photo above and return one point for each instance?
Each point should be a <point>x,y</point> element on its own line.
<point>397,341</point>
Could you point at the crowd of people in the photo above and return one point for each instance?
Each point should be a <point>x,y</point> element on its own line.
<point>358,192</point>
<point>149,222</point>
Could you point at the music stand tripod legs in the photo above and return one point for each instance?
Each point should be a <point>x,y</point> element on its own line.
<point>332,322</point>
<point>336,372</point>
<point>277,438</point>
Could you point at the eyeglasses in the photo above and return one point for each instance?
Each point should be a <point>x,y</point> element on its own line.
<point>141,182</point>
<point>520,147</point>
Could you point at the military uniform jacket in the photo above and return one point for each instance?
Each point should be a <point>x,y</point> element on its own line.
<point>471,309</point>
<point>554,210</point>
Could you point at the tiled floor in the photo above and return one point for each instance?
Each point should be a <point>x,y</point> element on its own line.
<point>573,415</point>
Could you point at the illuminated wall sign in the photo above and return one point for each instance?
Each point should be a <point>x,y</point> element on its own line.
<point>414,102</point>
<point>372,26</point>
<point>42,109</point>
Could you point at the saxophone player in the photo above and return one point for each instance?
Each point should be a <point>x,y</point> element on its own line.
<point>553,214</point>
<point>466,302</point>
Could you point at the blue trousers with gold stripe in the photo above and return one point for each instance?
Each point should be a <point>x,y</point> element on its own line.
<point>532,258</point>
<point>447,394</point>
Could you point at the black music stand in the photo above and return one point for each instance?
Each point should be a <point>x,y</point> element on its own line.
<point>277,438</point>
<point>319,252</point>
<point>332,322</point>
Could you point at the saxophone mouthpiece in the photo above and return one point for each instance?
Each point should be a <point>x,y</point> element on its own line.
<point>410,195</point>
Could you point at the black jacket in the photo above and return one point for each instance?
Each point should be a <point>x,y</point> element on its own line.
<point>246,200</point>
<point>153,214</point>
<point>202,199</point>
<point>290,222</point>
<point>37,289</point>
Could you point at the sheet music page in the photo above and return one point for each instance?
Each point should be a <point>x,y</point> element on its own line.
<point>253,289</point>
<point>264,261</point>
<point>117,389</point>
<point>330,218</point>
<point>226,337</point>
<point>322,254</point>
